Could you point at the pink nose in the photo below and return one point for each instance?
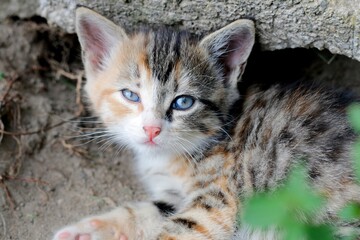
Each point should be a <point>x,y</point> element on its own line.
<point>152,132</point>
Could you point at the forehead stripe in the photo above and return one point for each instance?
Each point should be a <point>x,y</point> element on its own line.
<point>164,52</point>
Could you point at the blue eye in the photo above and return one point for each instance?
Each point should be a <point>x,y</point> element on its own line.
<point>182,103</point>
<point>131,96</point>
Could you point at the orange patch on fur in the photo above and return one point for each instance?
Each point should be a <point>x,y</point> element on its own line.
<point>181,171</point>
<point>180,167</point>
<point>166,236</point>
<point>222,183</point>
<point>140,107</point>
<point>117,108</point>
<point>177,70</point>
<point>202,230</point>
<point>229,161</point>
<point>217,216</point>
<point>144,64</point>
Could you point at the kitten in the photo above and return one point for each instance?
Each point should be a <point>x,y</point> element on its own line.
<point>198,144</point>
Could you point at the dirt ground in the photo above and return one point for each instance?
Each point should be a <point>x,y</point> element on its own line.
<point>53,169</point>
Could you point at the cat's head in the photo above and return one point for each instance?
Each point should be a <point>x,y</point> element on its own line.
<point>159,91</point>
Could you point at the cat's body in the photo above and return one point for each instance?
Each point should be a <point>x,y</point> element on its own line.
<point>199,146</point>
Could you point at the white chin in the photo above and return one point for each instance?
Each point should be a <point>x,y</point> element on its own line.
<point>150,147</point>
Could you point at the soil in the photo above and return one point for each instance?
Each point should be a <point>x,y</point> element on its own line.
<point>54,169</point>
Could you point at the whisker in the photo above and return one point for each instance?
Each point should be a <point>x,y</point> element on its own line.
<point>91,134</point>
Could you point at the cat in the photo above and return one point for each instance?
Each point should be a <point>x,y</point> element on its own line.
<point>199,145</point>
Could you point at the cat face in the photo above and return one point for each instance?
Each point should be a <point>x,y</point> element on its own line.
<point>159,91</point>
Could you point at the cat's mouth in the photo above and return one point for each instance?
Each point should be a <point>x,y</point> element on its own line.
<point>151,143</point>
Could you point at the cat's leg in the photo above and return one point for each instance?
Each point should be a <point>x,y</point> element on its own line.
<point>132,221</point>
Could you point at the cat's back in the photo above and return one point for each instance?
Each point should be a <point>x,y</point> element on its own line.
<point>281,125</point>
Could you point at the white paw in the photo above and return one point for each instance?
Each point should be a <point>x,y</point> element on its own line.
<point>137,221</point>
<point>92,229</point>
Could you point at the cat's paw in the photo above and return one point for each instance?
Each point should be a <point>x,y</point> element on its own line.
<point>118,224</point>
<point>136,221</point>
<point>92,229</point>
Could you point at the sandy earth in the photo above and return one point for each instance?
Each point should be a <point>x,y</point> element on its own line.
<point>58,175</point>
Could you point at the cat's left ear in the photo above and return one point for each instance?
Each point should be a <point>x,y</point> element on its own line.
<point>230,48</point>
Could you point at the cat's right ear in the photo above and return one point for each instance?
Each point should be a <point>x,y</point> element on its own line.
<point>98,36</point>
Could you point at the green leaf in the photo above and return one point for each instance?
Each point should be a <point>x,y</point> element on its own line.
<point>356,158</point>
<point>297,180</point>
<point>2,75</point>
<point>264,210</point>
<point>299,193</point>
<point>350,212</point>
<point>294,230</point>
<point>323,232</point>
<point>354,116</point>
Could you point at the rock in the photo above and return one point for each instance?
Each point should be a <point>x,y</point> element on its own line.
<point>321,24</point>
<point>20,8</point>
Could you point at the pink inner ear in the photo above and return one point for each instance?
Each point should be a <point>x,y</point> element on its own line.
<point>95,45</point>
<point>237,50</point>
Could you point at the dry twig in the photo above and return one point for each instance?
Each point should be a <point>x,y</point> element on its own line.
<point>74,150</point>
<point>9,198</point>
<point>41,130</point>
<point>78,77</point>
<point>13,79</point>
<point>15,167</point>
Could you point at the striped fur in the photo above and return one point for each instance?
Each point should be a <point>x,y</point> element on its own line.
<point>222,147</point>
